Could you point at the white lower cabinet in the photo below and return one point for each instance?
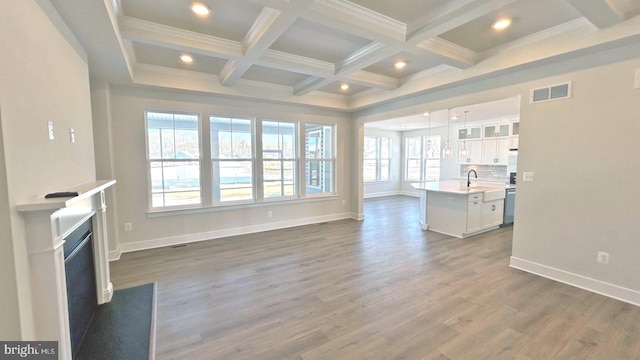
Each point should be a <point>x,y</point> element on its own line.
<point>474,213</point>
<point>492,213</point>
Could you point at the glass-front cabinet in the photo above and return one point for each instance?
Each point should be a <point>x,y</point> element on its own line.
<point>496,130</point>
<point>470,133</point>
<point>487,144</point>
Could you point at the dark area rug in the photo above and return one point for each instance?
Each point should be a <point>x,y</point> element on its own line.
<point>123,328</point>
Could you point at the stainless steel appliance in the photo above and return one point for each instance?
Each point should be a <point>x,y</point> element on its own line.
<point>509,204</point>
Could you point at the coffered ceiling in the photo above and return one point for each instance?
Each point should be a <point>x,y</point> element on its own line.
<point>302,51</point>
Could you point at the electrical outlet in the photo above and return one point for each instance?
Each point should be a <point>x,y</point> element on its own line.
<point>269,213</point>
<point>128,226</point>
<point>527,176</point>
<point>603,257</point>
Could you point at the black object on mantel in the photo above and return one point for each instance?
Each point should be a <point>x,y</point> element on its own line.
<point>62,194</point>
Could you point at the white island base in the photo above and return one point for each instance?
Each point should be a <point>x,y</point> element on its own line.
<point>453,209</point>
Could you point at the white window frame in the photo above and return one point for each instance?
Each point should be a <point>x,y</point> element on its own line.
<point>150,159</point>
<point>318,183</point>
<point>424,160</point>
<point>378,159</point>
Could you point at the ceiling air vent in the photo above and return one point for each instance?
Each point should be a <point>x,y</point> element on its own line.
<point>555,92</point>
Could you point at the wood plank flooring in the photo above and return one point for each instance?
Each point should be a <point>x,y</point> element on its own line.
<point>376,289</point>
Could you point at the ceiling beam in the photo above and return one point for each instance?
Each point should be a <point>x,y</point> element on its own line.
<point>266,29</point>
<point>174,38</point>
<point>598,12</point>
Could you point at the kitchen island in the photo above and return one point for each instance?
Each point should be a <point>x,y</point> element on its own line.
<point>453,208</point>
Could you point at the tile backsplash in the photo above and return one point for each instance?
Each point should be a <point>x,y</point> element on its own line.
<point>486,172</point>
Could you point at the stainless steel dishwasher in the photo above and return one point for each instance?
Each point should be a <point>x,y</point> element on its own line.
<point>509,203</point>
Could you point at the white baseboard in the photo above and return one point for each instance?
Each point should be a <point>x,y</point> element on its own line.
<point>189,238</point>
<point>114,255</point>
<point>391,193</point>
<point>600,287</point>
<point>414,193</point>
<point>380,194</point>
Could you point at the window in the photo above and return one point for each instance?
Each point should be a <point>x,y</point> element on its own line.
<point>232,158</point>
<point>173,153</point>
<point>320,159</point>
<point>235,160</point>
<point>279,159</point>
<point>377,158</point>
<point>422,155</point>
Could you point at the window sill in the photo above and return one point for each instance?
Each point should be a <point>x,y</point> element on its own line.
<point>244,205</point>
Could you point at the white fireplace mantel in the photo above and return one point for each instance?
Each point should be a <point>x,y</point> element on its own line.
<point>48,222</point>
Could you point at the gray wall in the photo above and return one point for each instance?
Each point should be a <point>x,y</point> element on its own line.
<point>583,152</point>
<point>129,159</point>
<point>43,77</point>
<point>585,197</point>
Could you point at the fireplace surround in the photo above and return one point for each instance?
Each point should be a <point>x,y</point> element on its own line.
<point>48,223</point>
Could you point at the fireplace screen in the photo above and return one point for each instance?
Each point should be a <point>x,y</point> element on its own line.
<point>81,282</point>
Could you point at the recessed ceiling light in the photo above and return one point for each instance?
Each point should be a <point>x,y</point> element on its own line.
<point>501,24</point>
<point>400,64</point>
<point>454,117</point>
<point>200,9</point>
<point>344,87</point>
<point>426,114</point>
<point>187,59</point>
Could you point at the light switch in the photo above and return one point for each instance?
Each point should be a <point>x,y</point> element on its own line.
<point>72,135</point>
<point>527,176</point>
<point>636,81</point>
<point>50,128</point>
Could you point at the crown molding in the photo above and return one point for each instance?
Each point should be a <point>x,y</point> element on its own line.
<point>354,11</point>
<point>449,50</point>
<point>157,34</point>
<point>357,56</point>
<point>579,24</point>
<point>367,78</point>
<point>426,73</point>
<point>260,27</point>
<point>295,63</point>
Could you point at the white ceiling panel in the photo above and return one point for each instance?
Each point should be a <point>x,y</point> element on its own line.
<point>229,19</point>
<point>273,76</point>
<point>307,47</point>
<point>316,41</point>
<point>406,11</point>
<point>528,17</point>
<point>170,58</point>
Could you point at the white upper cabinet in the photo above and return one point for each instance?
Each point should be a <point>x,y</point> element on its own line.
<point>487,144</point>
<point>495,151</point>
<point>496,130</point>
<point>470,133</point>
<point>473,154</point>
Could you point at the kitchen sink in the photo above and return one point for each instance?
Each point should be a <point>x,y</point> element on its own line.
<point>493,194</point>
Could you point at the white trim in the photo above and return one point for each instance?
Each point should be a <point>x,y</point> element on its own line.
<point>209,235</point>
<point>599,287</point>
<point>114,255</point>
<point>382,194</point>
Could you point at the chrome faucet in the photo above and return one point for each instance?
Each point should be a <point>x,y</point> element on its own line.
<point>469,174</point>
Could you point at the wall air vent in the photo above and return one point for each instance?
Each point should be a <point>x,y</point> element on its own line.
<point>555,92</point>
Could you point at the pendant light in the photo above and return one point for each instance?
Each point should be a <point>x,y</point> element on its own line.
<point>463,150</point>
<point>446,152</point>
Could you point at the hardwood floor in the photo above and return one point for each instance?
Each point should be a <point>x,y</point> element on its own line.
<point>377,289</point>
